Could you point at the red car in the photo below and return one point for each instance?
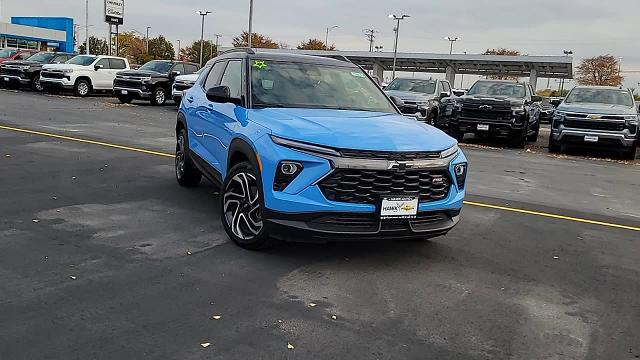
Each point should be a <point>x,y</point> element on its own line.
<point>15,54</point>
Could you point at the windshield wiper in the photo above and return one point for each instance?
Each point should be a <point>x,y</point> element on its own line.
<point>269,105</point>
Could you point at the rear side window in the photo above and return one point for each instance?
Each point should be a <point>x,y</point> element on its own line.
<point>117,64</point>
<point>190,69</point>
<point>213,79</point>
<point>446,88</point>
<point>60,59</point>
<point>233,78</point>
<point>179,68</point>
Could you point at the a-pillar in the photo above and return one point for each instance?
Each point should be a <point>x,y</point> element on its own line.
<point>533,79</point>
<point>378,73</point>
<point>451,75</point>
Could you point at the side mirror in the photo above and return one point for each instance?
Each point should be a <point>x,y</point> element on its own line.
<point>536,98</point>
<point>175,73</point>
<point>222,94</point>
<point>397,101</point>
<point>98,67</point>
<point>444,94</point>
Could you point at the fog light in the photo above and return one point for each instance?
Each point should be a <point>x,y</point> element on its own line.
<point>286,172</point>
<point>460,171</point>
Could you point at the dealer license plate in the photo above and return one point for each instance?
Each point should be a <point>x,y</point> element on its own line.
<point>400,207</point>
<point>6,79</point>
<point>124,92</point>
<point>590,138</point>
<point>483,127</point>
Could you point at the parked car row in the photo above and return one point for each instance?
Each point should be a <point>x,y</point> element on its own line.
<point>87,74</point>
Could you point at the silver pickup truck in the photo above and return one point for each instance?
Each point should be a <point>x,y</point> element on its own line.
<point>596,116</point>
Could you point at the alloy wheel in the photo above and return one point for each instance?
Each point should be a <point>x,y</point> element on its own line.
<point>160,97</point>
<point>37,84</point>
<point>241,206</point>
<point>83,88</point>
<point>180,157</point>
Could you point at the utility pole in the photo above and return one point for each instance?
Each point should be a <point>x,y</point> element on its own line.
<point>326,38</point>
<point>452,39</point>
<point>203,14</point>
<point>179,48</point>
<point>619,66</point>
<point>370,34</point>
<point>250,24</point>
<point>395,45</point>
<point>86,32</point>
<point>567,53</point>
<point>218,36</point>
<point>147,38</point>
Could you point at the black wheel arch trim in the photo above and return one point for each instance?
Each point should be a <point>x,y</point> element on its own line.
<point>241,146</point>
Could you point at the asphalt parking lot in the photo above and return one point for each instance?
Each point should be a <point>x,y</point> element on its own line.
<point>104,256</point>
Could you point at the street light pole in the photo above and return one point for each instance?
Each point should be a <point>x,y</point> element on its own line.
<point>218,36</point>
<point>619,65</point>
<point>203,14</point>
<point>566,53</point>
<point>86,20</point>
<point>326,38</point>
<point>395,45</point>
<point>249,40</point>
<point>452,39</point>
<point>147,38</point>
<point>179,49</point>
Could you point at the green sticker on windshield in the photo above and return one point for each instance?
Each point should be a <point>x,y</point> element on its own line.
<point>259,64</point>
<point>357,74</point>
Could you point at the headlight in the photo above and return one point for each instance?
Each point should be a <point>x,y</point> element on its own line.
<point>24,68</point>
<point>449,152</point>
<point>422,103</point>
<point>67,71</point>
<point>315,149</point>
<point>631,119</point>
<point>559,115</point>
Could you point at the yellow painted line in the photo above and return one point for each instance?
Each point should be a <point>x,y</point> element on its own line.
<point>471,203</point>
<point>86,141</point>
<point>553,216</point>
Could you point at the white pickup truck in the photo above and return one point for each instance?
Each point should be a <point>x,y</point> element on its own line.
<point>83,74</point>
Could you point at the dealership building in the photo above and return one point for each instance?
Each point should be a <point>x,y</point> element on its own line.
<point>42,33</point>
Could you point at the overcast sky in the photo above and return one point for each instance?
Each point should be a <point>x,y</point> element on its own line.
<point>541,27</point>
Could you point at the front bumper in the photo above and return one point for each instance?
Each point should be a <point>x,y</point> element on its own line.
<point>126,91</point>
<point>328,226</point>
<point>56,83</point>
<point>14,79</point>
<point>496,128</point>
<point>605,138</point>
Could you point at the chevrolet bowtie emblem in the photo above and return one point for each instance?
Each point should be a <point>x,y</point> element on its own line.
<point>485,107</point>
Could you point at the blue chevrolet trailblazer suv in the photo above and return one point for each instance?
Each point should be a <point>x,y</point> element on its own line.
<point>309,148</point>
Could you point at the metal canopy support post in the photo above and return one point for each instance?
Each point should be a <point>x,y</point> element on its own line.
<point>451,75</point>
<point>378,72</point>
<point>533,79</point>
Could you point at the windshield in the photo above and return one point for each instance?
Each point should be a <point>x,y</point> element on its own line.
<point>42,57</point>
<point>7,53</point>
<point>420,86</point>
<point>300,85</point>
<point>83,60</point>
<point>488,88</point>
<point>161,67</point>
<point>600,96</point>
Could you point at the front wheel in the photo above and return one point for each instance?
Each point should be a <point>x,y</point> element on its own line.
<point>242,207</point>
<point>186,172</point>
<point>534,137</point>
<point>125,99</point>
<point>554,147</point>
<point>629,154</point>
<point>82,88</point>
<point>35,84</point>
<point>159,96</point>
<point>454,132</point>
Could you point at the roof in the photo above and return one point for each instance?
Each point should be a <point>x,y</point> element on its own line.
<point>521,66</point>
<point>270,54</point>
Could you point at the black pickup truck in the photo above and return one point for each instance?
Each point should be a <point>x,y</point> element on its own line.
<point>152,81</point>
<point>27,72</point>
<point>498,108</point>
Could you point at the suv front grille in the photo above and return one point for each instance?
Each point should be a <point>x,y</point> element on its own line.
<point>133,84</point>
<point>390,155</point>
<point>10,72</point>
<point>594,125</point>
<point>486,111</point>
<point>367,186</point>
<point>52,75</point>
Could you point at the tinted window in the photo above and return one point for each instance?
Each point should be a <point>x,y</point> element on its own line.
<point>104,63</point>
<point>61,59</point>
<point>23,56</point>
<point>83,60</point>
<point>7,53</point>
<point>190,69</point>
<point>214,75</point>
<point>158,66</point>
<point>42,57</point>
<point>412,85</point>
<point>446,88</point>
<point>504,89</point>
<point>117,64</point>
<point>233,78</point>
<point>179,68</point>
<point>600,96</point>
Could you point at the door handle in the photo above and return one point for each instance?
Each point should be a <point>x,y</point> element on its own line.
<point>190,99</point>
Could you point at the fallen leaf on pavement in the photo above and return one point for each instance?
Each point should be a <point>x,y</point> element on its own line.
<point>188,252</point>
<point>334,317</point>
<point>205,345</point>
<point>289,346</point>
<point>313,304</point>
<point>35,220</point>
<point>216,317</point>
<point>72,277</point>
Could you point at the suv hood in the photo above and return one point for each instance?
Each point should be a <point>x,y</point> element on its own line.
<point>65,66</point>
<point>142,73</point>
<point>603,109</point>
<point>410,96</point>
<point>21,63</point>
<point>188,78</point>
<point>358,130</point>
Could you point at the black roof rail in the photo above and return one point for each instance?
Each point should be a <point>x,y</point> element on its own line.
<point>238,49</point>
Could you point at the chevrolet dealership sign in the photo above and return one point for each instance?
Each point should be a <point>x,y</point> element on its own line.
<point>114,11</point>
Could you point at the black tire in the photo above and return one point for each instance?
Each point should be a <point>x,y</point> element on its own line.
<point>35,84</point>
<point>82,88</point>
<point>241,205</point>
<point>454,132</point>
<point>554,147</point>
<point>125,99</point>
<point>431,118</point>
<point>519,140</point>
<point>186,172</point>
<point>629,154</point>
<point>159,96</point>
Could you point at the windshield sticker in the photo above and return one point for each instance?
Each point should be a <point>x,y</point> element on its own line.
<point>259,64</point>
<point>357,74</point>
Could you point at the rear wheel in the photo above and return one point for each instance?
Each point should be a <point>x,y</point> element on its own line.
<point>82,88</point>
<point>186,172</point>
<point>629,154</point>
<point>159,96</point>
<point>519,140</point>
<point>242,205</point>
<point>35,83</point>
<point>534,137</point>
<point>431,118</point>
